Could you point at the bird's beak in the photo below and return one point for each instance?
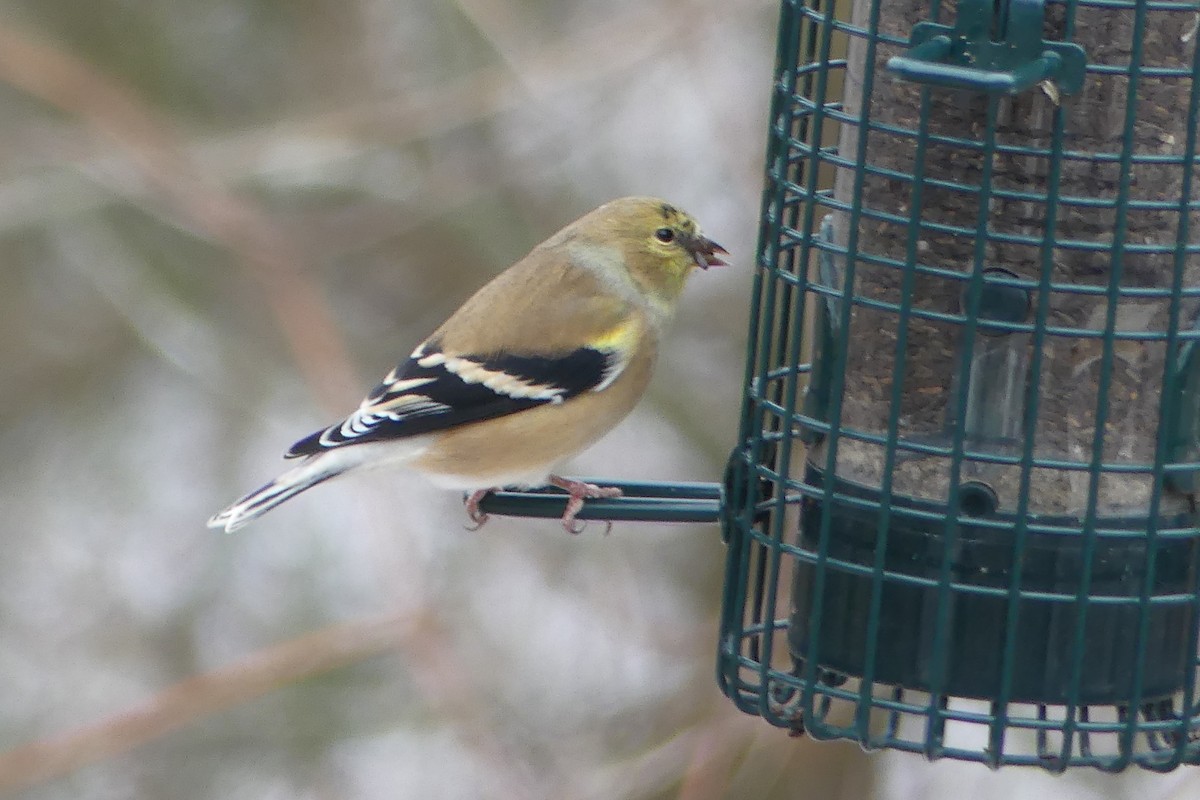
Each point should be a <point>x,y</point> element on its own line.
<point>705,251</point>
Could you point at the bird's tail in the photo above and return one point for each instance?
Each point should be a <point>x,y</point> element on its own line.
<point>309,473</point>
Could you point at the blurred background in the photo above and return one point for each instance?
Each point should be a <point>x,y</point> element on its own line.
<point>221,221</point>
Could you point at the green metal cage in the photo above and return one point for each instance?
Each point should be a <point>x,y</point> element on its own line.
<point>960,519</point>
<point>961,515</point>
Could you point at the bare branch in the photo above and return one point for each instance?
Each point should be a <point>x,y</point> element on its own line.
<point>64,81</point>
<point>208,693</point>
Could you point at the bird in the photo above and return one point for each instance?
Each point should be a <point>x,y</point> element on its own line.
<point>537,365</point>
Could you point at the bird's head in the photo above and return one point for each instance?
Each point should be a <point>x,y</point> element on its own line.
<point>658,243</point>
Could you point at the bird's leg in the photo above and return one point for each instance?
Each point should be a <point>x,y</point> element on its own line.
<point>579,491</point>
<point>477,516</point>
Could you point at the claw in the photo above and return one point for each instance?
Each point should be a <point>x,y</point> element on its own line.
<point>473,511</point>
<point>579,491</point>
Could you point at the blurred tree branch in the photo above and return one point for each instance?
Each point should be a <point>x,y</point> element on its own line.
<point>201,695</point>
<point>443,682</point>
<point>419,636</point>
<point>78,88</point>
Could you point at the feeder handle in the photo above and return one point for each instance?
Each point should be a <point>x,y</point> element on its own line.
<point>924,64</point>
<point>966,56</point>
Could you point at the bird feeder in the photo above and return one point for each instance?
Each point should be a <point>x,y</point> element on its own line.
<point>961,515</point>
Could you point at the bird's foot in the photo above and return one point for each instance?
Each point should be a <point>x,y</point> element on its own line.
<point>478,517</point>
<point>580,491</point>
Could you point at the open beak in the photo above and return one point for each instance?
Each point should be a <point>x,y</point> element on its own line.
<point>705,252</point>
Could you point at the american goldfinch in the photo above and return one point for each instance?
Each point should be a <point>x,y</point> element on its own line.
<point>537,365</point>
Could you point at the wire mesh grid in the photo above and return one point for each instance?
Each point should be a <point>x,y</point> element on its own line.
<point>960,519</point>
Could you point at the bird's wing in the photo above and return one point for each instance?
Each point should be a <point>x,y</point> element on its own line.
<point>587,341</point>
<point>433,391</point>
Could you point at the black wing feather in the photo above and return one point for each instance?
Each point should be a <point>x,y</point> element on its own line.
<point>445,399</point>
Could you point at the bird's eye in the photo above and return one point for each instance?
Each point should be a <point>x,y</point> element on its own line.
<point>665,235</point>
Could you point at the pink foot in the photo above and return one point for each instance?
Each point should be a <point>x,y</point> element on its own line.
<point>473,511</point>
<point>580,491</point>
